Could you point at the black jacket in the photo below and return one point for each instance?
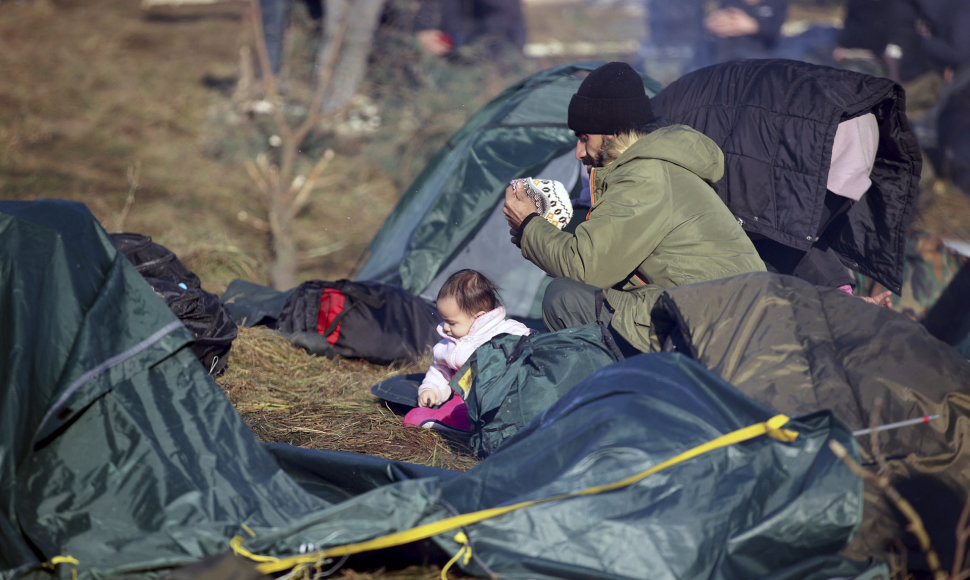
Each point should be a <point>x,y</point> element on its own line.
<point>775,120</point>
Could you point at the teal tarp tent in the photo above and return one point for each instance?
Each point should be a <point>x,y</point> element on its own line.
<point>759,508</point>
<point>118,449</point>
<point>451,216</point>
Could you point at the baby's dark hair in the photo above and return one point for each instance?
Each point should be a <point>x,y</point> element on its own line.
<point>472,290</point>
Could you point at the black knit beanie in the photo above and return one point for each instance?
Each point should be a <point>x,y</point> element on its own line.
<point>611,100</point>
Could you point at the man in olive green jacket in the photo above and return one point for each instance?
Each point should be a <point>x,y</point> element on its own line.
<point>654,222</point>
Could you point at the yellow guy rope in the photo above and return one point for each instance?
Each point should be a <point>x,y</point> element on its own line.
<point>69,560</point>
<point>464,553</point>
<point>771,427</point>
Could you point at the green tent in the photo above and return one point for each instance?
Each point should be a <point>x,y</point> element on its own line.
<point>117,448</point>
<point>120,457</point>
<point>451,216</point>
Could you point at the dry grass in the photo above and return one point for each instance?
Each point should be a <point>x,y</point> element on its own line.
<point>289,396</point>
<point>96,94</point>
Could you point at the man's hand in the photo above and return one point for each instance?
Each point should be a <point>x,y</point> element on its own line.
<point>518,206</point>
<point>436,42</point>
<point>731,22</point>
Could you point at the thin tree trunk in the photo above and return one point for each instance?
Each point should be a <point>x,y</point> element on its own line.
<point>285,255</point>
<point>283,209</point>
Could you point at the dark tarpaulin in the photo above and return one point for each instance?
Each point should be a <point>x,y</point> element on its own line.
<point>732,513</point>
<point>798,347</point>
<point>761,508</point>
<point>116,447</point>
<point>119,450</point>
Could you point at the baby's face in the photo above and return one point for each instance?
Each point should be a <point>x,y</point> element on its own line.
<point>456,322</point>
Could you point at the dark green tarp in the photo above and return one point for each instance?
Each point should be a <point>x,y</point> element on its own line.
<point>759,508</point>
<point>797,347</point>
<point>118,449</point>
<point>511,379</point>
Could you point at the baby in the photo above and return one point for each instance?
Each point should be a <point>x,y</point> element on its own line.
<point>472,314</point>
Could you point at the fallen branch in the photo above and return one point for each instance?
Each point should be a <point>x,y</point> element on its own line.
<point>915,521</point>
<point>963,537</point>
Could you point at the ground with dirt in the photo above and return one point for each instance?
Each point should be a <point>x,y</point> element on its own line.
<point>129,111</point>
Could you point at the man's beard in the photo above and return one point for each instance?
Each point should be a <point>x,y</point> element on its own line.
<point>601,157</point>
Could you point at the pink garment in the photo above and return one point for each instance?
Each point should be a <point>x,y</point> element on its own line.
<point>853,155</point>
<point>450,354</point>
<point>450,417</point>
<point>847,288</point>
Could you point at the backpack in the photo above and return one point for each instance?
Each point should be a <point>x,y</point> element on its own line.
<point>154,260</point>
<point>374,321</point>
<point>510,380</point>
<point>200,311</point>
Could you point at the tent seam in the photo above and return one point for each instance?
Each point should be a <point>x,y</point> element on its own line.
<point>101,368</point>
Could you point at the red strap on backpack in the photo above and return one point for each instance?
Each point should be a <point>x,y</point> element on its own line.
<point>331,305</point>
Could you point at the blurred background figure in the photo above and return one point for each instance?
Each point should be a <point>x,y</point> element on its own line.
<point>945,35</point>
<point>276,19</point>
<point>924,46</point>
<point>949,150</point>
<point>882,38</point>
<point>444,26</point>
<point>441,27</point>
<point>913,42</point>
<point>945,130</point>
<point>674,32</point>
<point>742,29</point>
<point>683,35</point>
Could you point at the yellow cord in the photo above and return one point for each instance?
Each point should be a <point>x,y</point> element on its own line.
<point>69,560</point>
<point>236,543</point>
<point>465,553</point>
<point>772,427</point>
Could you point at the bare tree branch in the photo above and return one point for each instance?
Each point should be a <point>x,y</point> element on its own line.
<point>963,537</point>
<point>270,86</point>
<point>302,196</point>
<point>256,175</point>
<point>874,415</point>
<point>915,521</point>
<point>325,74</point>
<point>285,192</point>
